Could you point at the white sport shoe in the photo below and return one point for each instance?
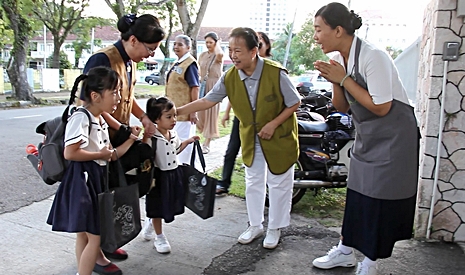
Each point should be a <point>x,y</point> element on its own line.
<point>272,238</point>
<point>335,258</point>
<point>147,230</point>
<point>162,245</point>
<point>250,234</point>
<point>365,270</point>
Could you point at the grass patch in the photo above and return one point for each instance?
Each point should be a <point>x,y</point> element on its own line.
<point>7,86</point>
<point>149,90</point>
<point>223,131</point>
<point>327,206</point>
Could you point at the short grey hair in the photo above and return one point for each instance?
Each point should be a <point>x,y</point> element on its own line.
<point>187,39</point>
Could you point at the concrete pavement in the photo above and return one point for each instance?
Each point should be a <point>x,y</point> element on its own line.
<point>28,246</point>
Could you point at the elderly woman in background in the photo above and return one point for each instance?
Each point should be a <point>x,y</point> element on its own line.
<point>211,64</point>
<point>182,87</point>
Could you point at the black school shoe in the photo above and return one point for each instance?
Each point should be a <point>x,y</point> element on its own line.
<point>221,191</point>
<point>118,254</point>
<point>109,269</point>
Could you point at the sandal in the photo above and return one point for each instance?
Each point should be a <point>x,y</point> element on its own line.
<point>205,149</point>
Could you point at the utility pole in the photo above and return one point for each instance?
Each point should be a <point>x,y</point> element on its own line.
<point>45,47</point>
<point>92,41</point>
<point>289,39</point>
<point>348,4</point>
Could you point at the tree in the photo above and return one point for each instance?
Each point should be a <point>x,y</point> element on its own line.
<point>82,30</point>
<point>59,17</point>
<point>5,32</point>
<point>165,46</point>
<point>279,49</point>
<point>306,50</point>
<point>122,7</point>
<point>18,23</point>
<point>393,52</point>
<point>191,29</point>
<point>64,62</point>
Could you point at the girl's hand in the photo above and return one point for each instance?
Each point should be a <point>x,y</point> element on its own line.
<point>106,153</point>
<point>267,131</point>
<point>193,138</point>
<point>332,71</point>
<point>225,119</point>
<point>135,130</point>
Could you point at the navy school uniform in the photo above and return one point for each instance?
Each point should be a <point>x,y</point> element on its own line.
<point>166,199</point>
<point>75,206</point>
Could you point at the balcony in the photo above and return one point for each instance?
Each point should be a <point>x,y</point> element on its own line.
<point>39,54</point>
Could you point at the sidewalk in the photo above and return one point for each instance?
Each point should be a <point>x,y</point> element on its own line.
<point>28,246</point>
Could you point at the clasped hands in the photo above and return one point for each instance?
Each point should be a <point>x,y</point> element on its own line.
<point>332,70</point>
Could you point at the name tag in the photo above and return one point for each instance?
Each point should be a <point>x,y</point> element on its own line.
<point>178,70</point>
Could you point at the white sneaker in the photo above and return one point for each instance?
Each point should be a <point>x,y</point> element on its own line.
<point>147,230</point>
<point>366,270</point>
<point>272,238</point>
<point>335,258</point>
<point>250,234</point>
<point>162,245</point>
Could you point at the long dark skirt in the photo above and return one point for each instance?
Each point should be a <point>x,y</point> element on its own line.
<point>166,199</point>
<point>75,207</point>
<point>372,226</point>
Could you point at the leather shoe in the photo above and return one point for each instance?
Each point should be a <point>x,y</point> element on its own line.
<point>109,269</point>
<point>272,238</point>
<point>220,191</point>
<point>118,254</point>
<point>250,234</point>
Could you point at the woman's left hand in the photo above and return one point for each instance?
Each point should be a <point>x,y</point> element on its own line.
<point>332,71</point>
<point>193,118</point>
<point>149,127</point>
<point>267,131</point>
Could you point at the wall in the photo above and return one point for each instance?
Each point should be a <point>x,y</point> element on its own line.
<point>440,25</point>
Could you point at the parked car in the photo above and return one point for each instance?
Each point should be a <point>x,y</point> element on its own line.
<point>320,83</point>
<point>153,78</point>
<point>304,85</point>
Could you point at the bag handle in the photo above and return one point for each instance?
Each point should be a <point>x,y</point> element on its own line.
<point>199,152</point>
<point>119,170</point>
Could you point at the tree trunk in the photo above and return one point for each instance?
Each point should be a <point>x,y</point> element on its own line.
<point>17,68</point>
<point>56,54</point>
<point>191,29</point>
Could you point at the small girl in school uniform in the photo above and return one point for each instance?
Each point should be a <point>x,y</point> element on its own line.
<point>75,207</point>
<point>166,199</point>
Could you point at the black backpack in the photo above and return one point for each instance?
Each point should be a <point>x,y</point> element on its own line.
<point>50,162</point>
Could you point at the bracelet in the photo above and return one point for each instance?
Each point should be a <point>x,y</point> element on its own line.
<point>142,116</point>
<point>342,81</point>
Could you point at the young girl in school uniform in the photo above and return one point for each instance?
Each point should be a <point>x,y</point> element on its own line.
<point>75,207</point>
<point>166,199</point>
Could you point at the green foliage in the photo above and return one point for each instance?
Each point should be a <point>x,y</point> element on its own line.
<point>393,52</point>
<point>303,51</point>
<point>141,66</point>
<point>64,62</point>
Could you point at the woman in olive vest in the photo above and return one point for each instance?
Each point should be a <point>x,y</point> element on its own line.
<point>140,37</point>
<point>264,100</point>
<point>383,176</point>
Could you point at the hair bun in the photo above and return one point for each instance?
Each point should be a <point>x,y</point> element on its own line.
<point>125,22</point>
<point>356,20</point>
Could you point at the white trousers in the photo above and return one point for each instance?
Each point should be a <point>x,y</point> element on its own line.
<point>185,130</point>
<point>257,176</point>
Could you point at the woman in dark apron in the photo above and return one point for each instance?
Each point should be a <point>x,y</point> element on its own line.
<point>383,176</point>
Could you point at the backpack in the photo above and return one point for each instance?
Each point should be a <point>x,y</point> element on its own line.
<point>50,162</point>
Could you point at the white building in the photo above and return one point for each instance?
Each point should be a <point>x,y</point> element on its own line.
<point>269,16</point>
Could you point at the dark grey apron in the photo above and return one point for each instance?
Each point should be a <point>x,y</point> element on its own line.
<point>384,157</point>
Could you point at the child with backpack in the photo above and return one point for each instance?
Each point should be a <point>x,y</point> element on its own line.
<point>166,198</point>
<point>75,207</point>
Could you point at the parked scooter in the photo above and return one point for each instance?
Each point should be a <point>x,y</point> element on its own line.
<point>324,153</point>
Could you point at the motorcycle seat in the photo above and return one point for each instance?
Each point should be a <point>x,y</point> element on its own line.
<point>312,126</point>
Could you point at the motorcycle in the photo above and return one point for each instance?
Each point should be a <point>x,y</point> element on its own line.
<point>324,146</point>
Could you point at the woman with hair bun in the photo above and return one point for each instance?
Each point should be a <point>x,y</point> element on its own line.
<point>140,37</point>
<point>383,176</point>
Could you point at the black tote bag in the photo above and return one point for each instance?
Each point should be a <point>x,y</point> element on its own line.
<point>199,188</point>
<point>119,211</point>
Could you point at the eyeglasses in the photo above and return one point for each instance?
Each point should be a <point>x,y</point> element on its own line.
<point>148,49</point>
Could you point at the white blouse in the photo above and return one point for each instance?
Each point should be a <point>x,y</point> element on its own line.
<point>379,72</point>
<point>167,150</point>
<point>77,131</point>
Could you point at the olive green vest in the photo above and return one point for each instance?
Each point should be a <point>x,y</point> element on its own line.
<point>177,88</point>
<point>282,150</point>
<point>123,112</point>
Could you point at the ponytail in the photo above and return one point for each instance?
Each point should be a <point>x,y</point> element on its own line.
<point>75,87</point>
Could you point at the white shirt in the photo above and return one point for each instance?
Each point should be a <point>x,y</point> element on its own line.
<point>77,131</point>
<point>379,72</point>
<point>167,150</point>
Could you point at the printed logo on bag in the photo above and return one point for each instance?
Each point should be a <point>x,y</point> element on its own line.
<point>124,215</point>
<point>198,191</point>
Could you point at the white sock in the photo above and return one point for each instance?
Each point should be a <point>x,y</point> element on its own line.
<point>344,249</point>
<point>161,236</point>
<point>368,262</point>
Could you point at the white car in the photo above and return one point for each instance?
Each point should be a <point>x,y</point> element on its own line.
<point>320,83</point>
